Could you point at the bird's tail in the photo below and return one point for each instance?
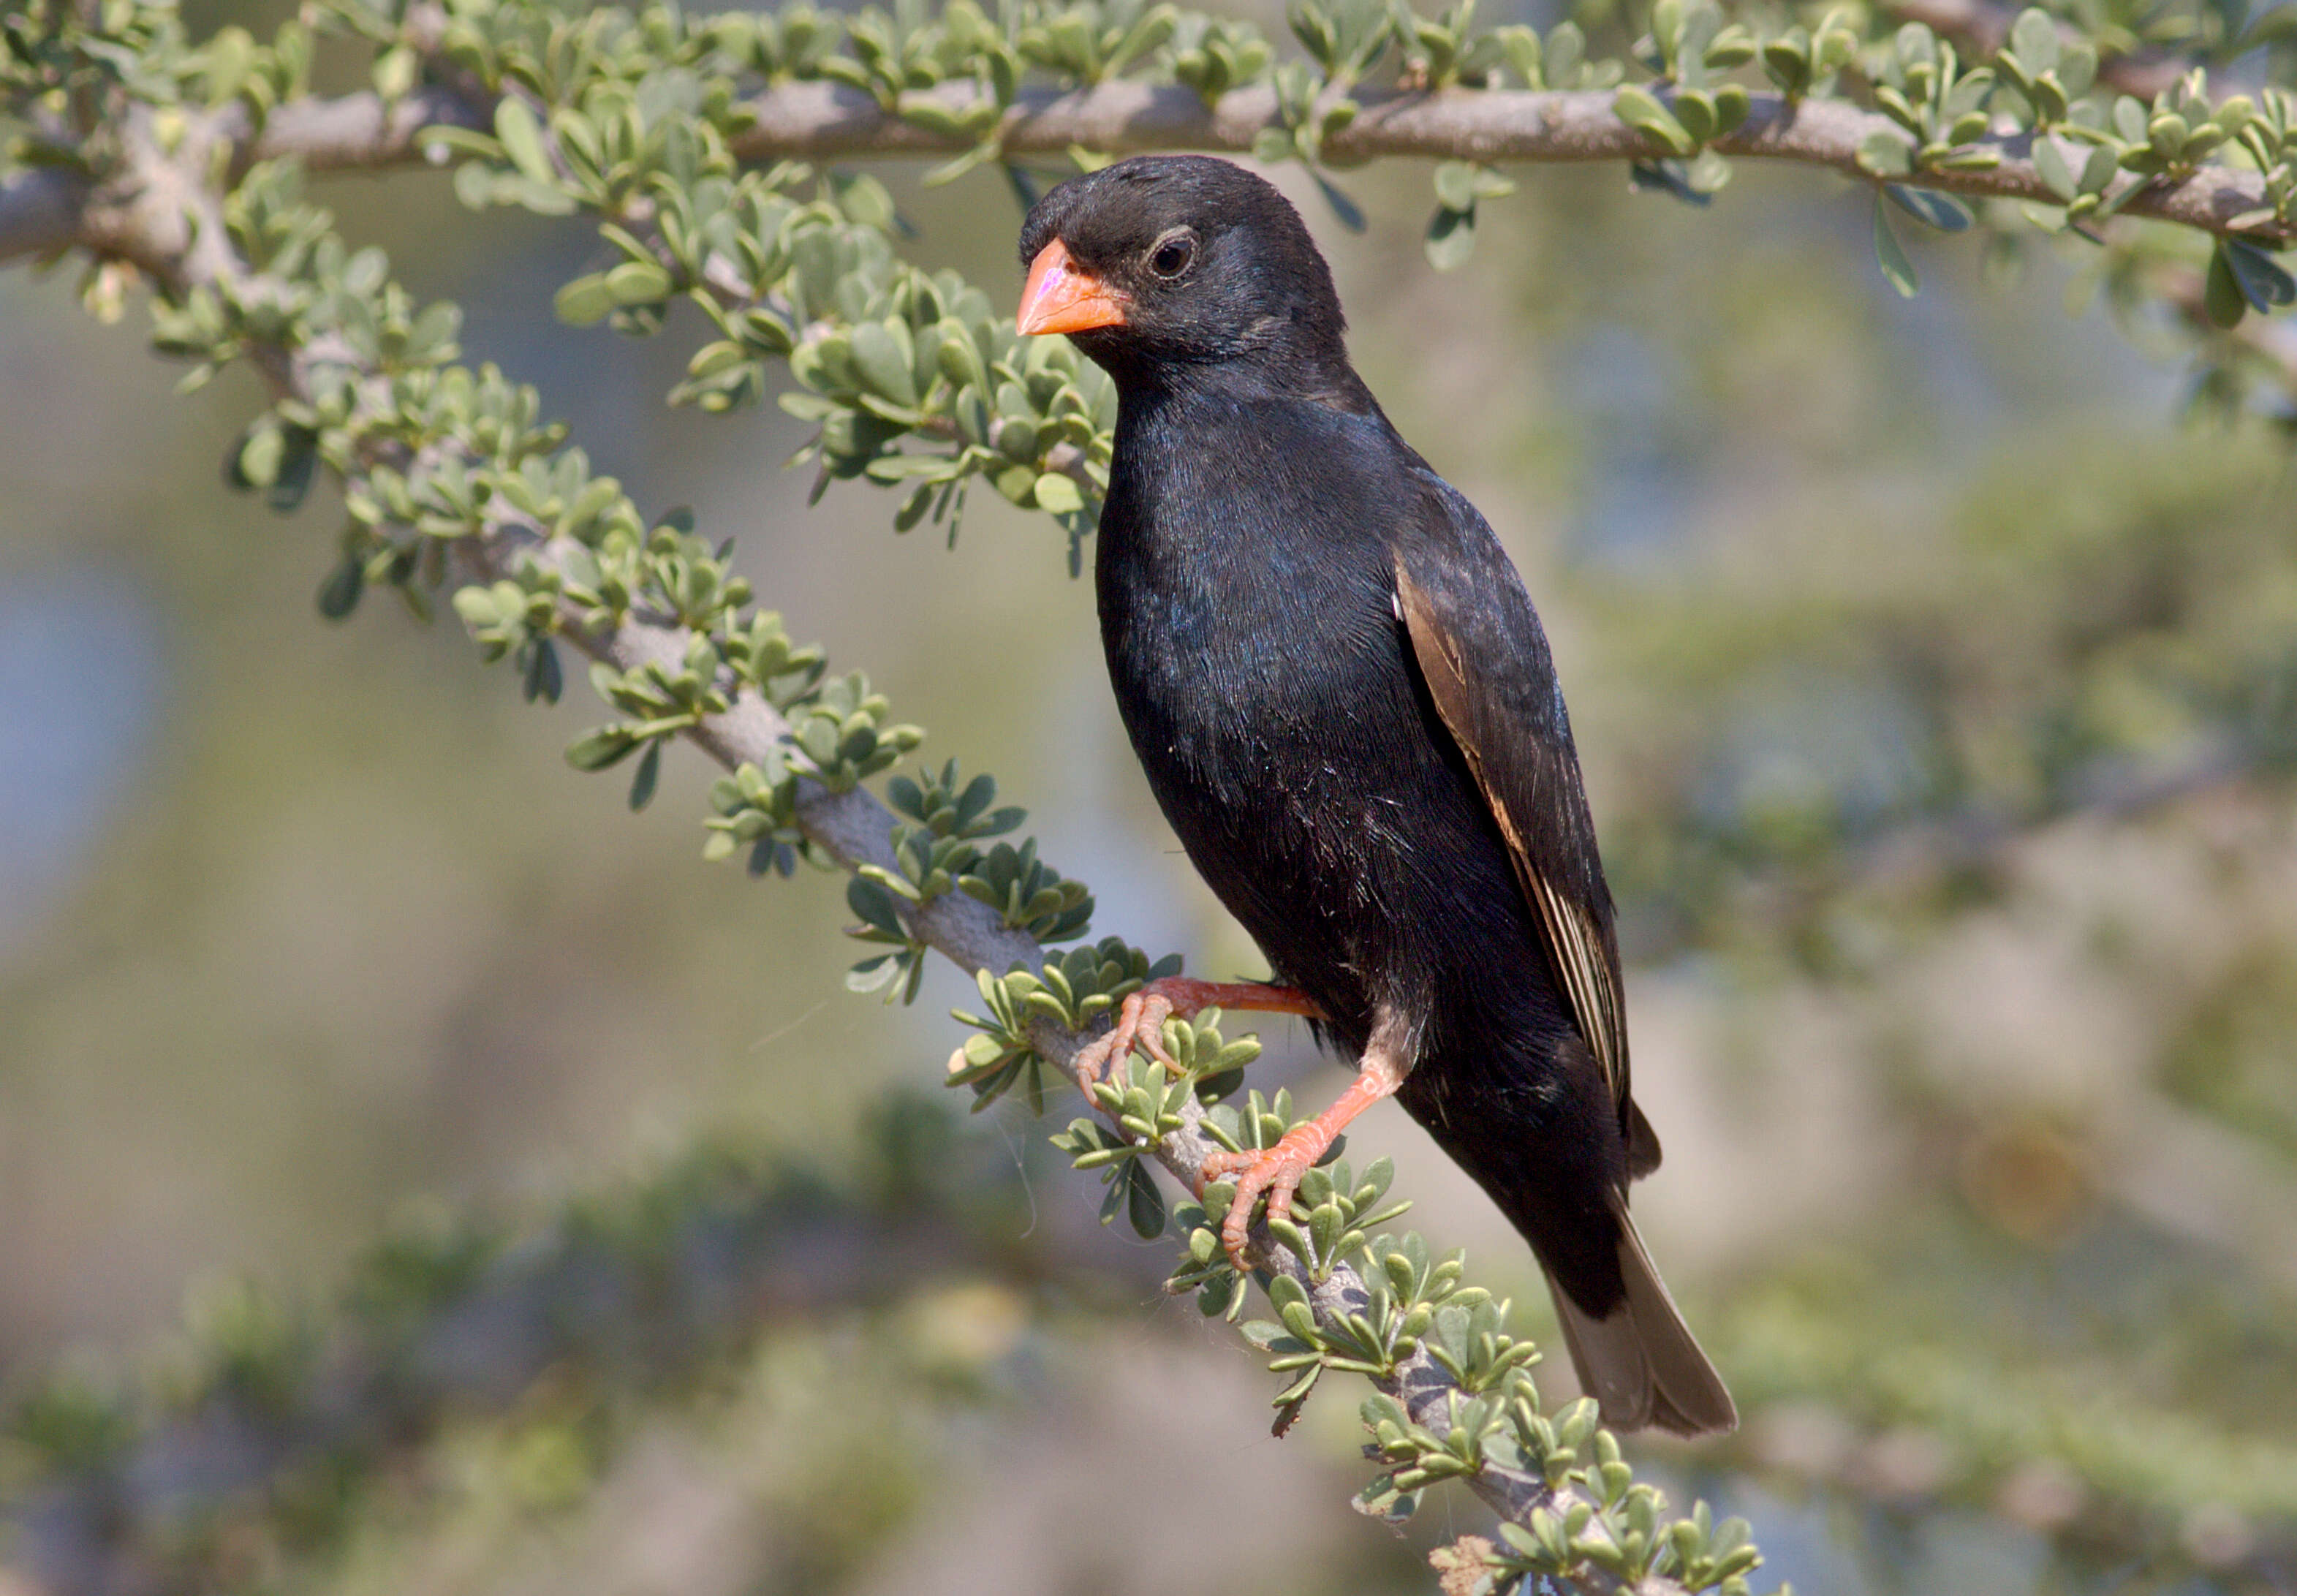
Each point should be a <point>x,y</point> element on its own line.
<point>1640,1362</point>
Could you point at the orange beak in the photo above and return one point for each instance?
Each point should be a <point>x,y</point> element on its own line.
<point>1061,298</point>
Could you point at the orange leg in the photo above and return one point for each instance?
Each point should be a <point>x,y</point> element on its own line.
<point>1277,1171</point>
<point>1140,1019</point>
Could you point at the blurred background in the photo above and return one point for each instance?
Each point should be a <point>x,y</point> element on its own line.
<point>1937,691</point>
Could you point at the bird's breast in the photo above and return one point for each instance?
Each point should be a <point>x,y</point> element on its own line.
<point>1249,670</point>
<point>1269,699</point>
<point>1246,581</point>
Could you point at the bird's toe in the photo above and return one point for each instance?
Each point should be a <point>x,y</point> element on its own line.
<point>1139,1023</point>
<point>1274,1172</point>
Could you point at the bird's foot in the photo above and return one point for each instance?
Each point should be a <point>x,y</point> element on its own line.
<point>1140,1020</point>
<point>1276,1171</point>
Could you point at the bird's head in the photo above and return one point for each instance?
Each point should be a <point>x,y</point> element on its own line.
<point>1165,262</point>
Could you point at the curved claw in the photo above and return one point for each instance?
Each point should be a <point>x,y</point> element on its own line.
<point>1276,1171</point>
<point>1139,1022</point>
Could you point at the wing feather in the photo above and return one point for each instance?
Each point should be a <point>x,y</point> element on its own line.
<point>1529,777</point>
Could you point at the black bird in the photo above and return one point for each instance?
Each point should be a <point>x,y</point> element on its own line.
<point>1345,705</point>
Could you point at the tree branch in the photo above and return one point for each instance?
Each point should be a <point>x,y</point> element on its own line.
<point>824,121</point>
<point>361,131</point>
<point>821,119</point>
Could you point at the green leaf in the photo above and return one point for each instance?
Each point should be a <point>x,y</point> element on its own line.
<point>1676,178</point>
<point>1382,1501</point>
<point>439,143</point>
<point>339,595</point>
<point>649,772</point>
<point>1943,211</point>
<point>1018,483</point>
<point>521,139</point>
<point>255,463</point>
<point>871,974</point>
<point>1694,113</point>
<point>882,363</point>
<point>2050,165</point>
<point>474,185</point>
<point>543,681</point>
<point>2222,295</point>
<point>585,301</point>
<point>2035,37</point>
<point>2262,280</point>
<point>1892,255</point>
<point>1706,173</point>
<point>608,745</point>
<point>1144,1205</point>
<point>1451,239</point>
<point>1885,154</point>
<point>297,465</point>
<point>1786,59</point>
<point>1455,184</point>
<point>864,200</point>
<point>1640,111</point>
<point>768,332</point>
<point>1351,214</point>
<point>638,283</point>
<point>1057,495</point>
<point>230,58</point>
<point>396,72</point>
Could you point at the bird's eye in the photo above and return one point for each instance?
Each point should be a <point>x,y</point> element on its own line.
<point>1172,255</point>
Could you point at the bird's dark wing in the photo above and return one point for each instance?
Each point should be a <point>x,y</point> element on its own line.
<point>1484,657</point>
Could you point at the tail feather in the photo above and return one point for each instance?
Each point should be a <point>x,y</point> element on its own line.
<point>1640,1362</point>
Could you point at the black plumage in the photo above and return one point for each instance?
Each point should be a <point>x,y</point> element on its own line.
<point>1345,705</point>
